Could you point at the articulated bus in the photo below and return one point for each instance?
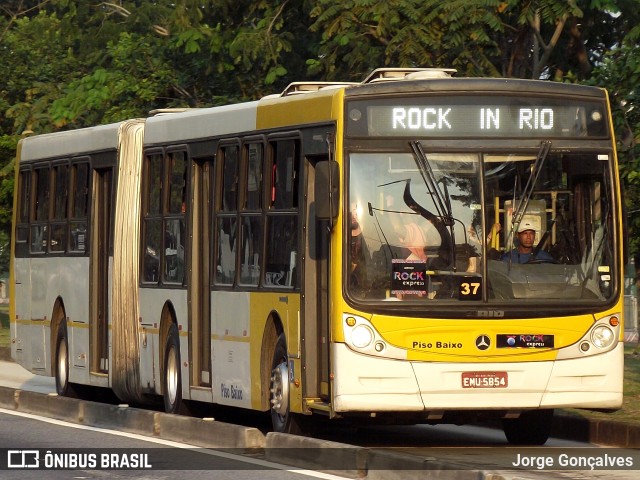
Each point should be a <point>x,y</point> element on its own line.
<point>348,250</point>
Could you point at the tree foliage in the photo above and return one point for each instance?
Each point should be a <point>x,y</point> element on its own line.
<point>620,70</point>
<point>71,63</point>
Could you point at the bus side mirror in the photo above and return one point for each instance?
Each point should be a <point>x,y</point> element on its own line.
<point>327,190</point>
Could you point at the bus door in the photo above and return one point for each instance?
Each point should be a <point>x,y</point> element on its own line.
<point>316,298</point>
<point>101,242</point>
<point>199,290</point>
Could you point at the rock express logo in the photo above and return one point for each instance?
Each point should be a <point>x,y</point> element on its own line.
<point>525,341</point>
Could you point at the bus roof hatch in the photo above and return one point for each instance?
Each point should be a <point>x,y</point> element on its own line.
<point>394,74</point>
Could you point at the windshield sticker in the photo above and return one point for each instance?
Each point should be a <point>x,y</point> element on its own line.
<point>470,288</point>
<point>408,277</point>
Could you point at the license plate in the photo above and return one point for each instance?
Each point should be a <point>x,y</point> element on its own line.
<point>485,380</point>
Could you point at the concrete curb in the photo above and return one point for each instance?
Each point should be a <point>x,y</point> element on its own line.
<point>368,463</point>
<point>207,433</point>
<point>384,465</point>
<point>5,354</point>
<point>601,432</point>
<point>118,417</point>
<point>60,408</point>
<point>316,454</point>
<point>196,431</point>
<point>8,398</point>
<point>363,462</point>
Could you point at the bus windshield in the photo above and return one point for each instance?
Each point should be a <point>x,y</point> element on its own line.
<point>480,227</point>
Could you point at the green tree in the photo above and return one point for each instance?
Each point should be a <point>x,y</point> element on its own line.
<point>7,150</point>
<point>510,38</point>
<point>33,79</point>
<point>620,72</point>
<point>143,56</point>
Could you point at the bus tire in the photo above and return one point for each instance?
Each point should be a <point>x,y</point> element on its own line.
<point>282,419</point>
<point>531,428</point>
<point>172,381</point>
<point>62,362</point>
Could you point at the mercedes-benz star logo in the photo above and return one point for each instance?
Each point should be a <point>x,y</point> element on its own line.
<point>483,342</point>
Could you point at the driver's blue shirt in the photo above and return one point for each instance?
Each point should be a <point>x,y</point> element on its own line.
<point>517,257</point>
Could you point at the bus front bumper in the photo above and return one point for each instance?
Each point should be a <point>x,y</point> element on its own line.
<point>371,384</point>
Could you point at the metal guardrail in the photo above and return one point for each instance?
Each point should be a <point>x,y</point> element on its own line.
<point>630,319</point>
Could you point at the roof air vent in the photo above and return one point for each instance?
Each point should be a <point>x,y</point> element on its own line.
<point>394,74</point>
<point>297,88</point>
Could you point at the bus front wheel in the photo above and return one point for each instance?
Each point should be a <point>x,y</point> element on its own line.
<point>172,385</point>
<point>282,419</point>
<point>531,428</point>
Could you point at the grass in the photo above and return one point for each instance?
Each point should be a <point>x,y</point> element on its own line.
<point>629,413</point>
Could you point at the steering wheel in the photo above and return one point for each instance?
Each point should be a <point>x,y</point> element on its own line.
<point>538,261</point>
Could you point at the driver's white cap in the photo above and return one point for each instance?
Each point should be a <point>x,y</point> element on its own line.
<point>526,225</point>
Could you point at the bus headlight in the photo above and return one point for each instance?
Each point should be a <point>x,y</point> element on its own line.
<point>361,336</point>
<point>602,336</point>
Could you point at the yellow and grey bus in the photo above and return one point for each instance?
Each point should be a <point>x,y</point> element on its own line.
<point>413,248</point>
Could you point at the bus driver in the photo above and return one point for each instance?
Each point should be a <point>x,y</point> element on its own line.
<point>523,253</point>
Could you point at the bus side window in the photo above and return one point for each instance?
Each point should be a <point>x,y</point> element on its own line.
<point>152,251</point>
<point>174,232</point>
<point>24,197</point>
<point>282,217</point>
<point>152,218</point>
<point>60,199</point>
<point>79,207</point>
<point>284,175</point>
<point>174,251</point>
<point>227,217</point>
<point>251,223</point>
<point>40,213</point>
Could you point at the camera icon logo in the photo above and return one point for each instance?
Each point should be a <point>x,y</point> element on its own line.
<point>23,459</point>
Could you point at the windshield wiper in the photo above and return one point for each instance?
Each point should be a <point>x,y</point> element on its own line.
<point>441,200</point>
<point>543,152</point>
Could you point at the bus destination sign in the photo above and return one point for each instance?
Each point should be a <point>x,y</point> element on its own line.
<point>476,117</point>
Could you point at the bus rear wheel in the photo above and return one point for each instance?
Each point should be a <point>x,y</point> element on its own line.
<point>282,419</point>
<point>172,384</point>
<point>531,428</point>
<point>62,362</point>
